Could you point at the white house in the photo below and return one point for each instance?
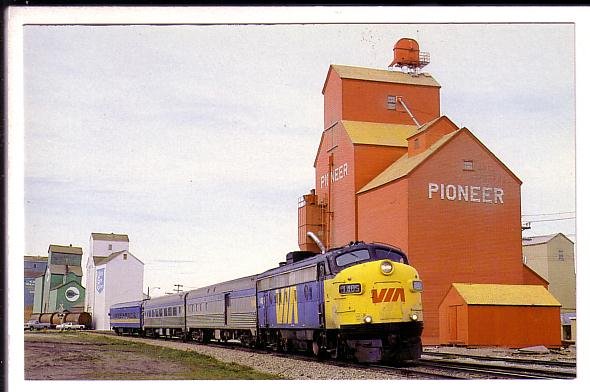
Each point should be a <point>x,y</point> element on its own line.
<point>113,275</point>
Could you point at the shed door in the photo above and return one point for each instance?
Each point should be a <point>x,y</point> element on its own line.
<point>453,323</point>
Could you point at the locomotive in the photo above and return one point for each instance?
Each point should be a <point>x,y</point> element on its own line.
<point>360,301</point>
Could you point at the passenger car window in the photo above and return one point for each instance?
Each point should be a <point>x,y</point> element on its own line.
<point>352,257</point>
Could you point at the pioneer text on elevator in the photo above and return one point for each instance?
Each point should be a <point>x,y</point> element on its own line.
<point>334,175</point>
<point>467,193</point>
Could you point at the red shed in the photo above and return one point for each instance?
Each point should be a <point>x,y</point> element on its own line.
<point>499,315</point>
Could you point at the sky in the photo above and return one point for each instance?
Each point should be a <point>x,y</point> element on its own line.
<point>197,140</point>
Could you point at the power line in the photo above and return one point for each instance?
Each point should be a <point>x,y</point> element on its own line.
<point>549,220</point>
<point>550,213</point>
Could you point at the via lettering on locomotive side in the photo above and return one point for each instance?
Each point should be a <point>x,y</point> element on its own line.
<point>388,295</point>
<point>286,309</point>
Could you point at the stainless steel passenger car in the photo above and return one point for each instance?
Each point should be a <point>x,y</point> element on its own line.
<point>164,316</point>
<point>222,311</point>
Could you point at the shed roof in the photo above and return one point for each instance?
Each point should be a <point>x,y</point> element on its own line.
<point>381,75</point>
<point>110,237</point>
<point>74,250</point>
<point>383,134</point>
<point>405,164</point>
<point>505,294</point>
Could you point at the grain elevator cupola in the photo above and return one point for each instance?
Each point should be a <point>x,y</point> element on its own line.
<point>406,53</point>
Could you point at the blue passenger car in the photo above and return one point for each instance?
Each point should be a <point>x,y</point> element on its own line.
<point>165,316</point>
<point>127,317</point>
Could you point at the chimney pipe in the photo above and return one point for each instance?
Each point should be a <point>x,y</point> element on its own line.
<point>317,241</point>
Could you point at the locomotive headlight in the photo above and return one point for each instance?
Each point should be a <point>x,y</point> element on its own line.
<point>417,285</point>
<point>386,267</point>
<point>368,319</point>
<point>414,317</point>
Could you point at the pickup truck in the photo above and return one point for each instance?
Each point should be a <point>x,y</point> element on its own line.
<point>69,326</point>
<point>32,325</point>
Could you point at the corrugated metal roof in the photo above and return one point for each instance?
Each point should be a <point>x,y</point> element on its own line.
<point>405,164</point>
<point>74,250</point>
<point>383,75</point>
<point>383,134</point>
<point>505,294</point>
<point>110,237</point>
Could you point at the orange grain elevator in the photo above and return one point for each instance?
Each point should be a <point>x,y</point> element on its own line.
<point>389,168</point>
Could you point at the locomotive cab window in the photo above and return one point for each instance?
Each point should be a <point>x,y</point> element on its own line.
<point>351,257</point>
<point>384,253</point>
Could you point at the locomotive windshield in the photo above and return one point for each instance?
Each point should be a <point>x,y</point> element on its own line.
<point>391,254</point>
<point>352,257</point>
<point>355,256</point>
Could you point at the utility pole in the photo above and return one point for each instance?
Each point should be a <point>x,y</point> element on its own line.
<point>178,288</point>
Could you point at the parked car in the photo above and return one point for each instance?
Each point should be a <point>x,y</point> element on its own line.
<point>33,325</point>
<point>69,326</point>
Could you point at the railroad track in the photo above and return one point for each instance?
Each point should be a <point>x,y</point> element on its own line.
<point>488,370</point>
<point>521,361</point>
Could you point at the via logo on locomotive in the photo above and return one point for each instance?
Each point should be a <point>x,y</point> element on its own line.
<point>286,309</point>
<point>388,295</point>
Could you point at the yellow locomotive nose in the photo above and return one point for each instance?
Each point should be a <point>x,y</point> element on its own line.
<point>375,292</point>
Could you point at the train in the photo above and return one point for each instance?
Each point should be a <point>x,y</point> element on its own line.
<point>362,301</point>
